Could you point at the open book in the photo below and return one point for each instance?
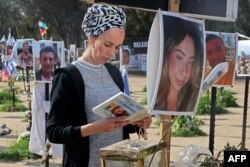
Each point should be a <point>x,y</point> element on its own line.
<point>121,105</point>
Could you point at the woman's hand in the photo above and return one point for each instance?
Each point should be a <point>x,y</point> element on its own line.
<point>104,125</point>
<point>144,123</point>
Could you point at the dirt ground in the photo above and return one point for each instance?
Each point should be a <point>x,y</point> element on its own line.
<point>228,126</point>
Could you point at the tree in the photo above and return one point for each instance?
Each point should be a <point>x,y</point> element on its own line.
<point>63,18</point>
<point>242,23</point>
<point>10,16</point>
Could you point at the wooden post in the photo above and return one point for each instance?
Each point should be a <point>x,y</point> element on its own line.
<point>173,5</point>
<point>166,121</point>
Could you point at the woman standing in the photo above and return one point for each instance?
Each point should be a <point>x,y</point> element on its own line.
<point>71,120</point>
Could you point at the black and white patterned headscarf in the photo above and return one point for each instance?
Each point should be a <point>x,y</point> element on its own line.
<point>100,18</point>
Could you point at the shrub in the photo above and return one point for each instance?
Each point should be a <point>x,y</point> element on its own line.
<point>6,101</point>
<point>157,123</point>
<point>8,106</point>
<point>144,101</point>
<point>187,126</point>
<point>18,151</point>
<point>204,105</point>
<point>144,89</point>
<point>5,95</point>
<point>224,98</point>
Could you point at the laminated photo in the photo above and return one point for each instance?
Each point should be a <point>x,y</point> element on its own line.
<point>221,50</point>
<point>23,53</point>
<point>56,61</point>
<point>176,62</point>
<point>243,58</point>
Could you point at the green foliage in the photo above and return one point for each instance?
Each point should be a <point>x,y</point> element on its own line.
<point>8,106</point>
<point>242,23</point>
<point>219,157</point>
<point>23,16</point>
<point>157,123</point>
<point>18,151</point>
<point>209,161</point>
<point>144,101</point>
<point>224,99</point>
<point>187,126</point>
<point>204,105</point>
<point>229,147</point>
<point>4,96</point>
<point>216,160</point>
<point>138,23</point>
<point>6,101</point>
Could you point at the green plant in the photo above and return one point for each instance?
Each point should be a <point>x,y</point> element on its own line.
<point>9,106</point>
<point>6,101</point>
<point>204,105</point>
<point>5,95</point>
<point>157,123</point>
<point>144,101</point>
<point>144,89</point>
<point>18,151</point>
<point>227,147</point>
<point>187,126</point>
<point>209,161</point>
<point>224,98</point>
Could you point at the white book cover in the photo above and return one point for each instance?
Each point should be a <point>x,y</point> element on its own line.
<point>176,63</point>
<point>121,105</point>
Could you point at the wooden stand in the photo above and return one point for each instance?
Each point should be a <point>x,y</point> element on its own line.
<point>122,151</point>
<point>166,121</point>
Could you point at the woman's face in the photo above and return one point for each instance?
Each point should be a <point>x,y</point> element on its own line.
<point>181,61</point>
<point>106,45</point>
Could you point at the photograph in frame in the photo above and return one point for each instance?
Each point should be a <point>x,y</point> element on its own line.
<point>66,58</point>
<point>48,63</point>
<point>72,51</point>
<point>23,53</point>
<point>221,49</point>
<point>180,67</point>
<point>243,58</point>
